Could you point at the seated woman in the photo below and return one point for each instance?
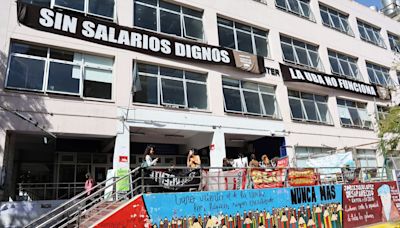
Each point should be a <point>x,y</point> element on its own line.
<point>193,159</point>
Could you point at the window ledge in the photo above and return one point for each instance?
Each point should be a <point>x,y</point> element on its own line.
<point>171,108</point>
<point>305,67</point>
<point>338,30</point>
<point>295,14</point>
<point>369,42</point>
<point>312,122</point>
<point>356,127</point>
<point>236,114</point>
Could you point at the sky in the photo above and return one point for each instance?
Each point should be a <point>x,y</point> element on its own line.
<point>371,3</point>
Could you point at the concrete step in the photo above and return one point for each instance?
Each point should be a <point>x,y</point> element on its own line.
<point>98,213</point>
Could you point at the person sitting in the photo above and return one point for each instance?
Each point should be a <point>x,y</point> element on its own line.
<point>253,163</point>
<point>193,159</point>
<point>226,164</point>
<point>265,163</point>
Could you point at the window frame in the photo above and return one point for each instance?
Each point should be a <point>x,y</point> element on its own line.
<point>362,154</point>
<point>85,11</point>
<point>349,60</point>
<point>276,115</point>
<point>310,153</point>
<point>358,109</point>
<point>341,16</point>
<point>382,112</point>
<point>47,60</point>
<point>184,80</point>
<point>181,14</point>
<point>376,31</point>
<point>306,48</point>
<point>394,42</point>
<point>251,33</point>
<point>375,68</point>
<point>304,111</point>
<point>301,13</point>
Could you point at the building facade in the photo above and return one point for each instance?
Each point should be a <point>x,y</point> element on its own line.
<point>328,72</point>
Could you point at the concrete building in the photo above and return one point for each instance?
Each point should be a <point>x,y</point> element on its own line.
<point>328,70</point>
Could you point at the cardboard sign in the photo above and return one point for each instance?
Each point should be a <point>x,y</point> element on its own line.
<point>370,203</point>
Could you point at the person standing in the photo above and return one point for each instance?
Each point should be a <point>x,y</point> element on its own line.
<point>193,159</point>
<point>89,185</point>
<point>253,163</point>
<point>148,162</point>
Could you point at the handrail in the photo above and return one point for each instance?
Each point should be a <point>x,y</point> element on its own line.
<point>80,195</point>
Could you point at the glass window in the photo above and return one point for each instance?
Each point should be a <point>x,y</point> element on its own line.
<point>298,7</point>
<point>309,107</point>
<point>353,114</point>
<point>102,8</point>
<point>169,86</point>
<point>161,16</point>
<point>367,158</point>
<point>298,52</point>
<point>370,34</point>
<point>379,75</point>
<point>382,112</point>
<point>64,72</point>
<point>249,98</point>
<point>242,37</point>
<point>303,154</point>
<point>344,65</point>
<point>334,19</point>
<point>394,42</point>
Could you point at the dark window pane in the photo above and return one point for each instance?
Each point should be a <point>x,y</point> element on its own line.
<point>302,56</point>
<point>62,55</point>
<point>252,102</point>
<point>261,46</point>
<point>73,4</point>
<point>171,72</point>
<point>145,17</point>
<point>102,7</point>
<point>191,12</point>
<point>334,65</point>
<point>148,93</point>
<point>355,116</point>
<point>195,76</point>
<point>197,95</point>
<point>345,67</point>
<point>269,104</point>
<point>305,8</point>
<point>295,107</point>
<point>225,22</point>
<point>288,52</point>
<point>172,92</point>
<point>26,73</point>
<point>325,18</point>
<point>193,28</point>
<point>150,2</point>
<point>310,110</point>
<point>294,6</point>
<point>97,89</point>
<point>28,49</point>
<point>170,23</point>
<point>336,22</point>
<point>146,68</point>
<point>323,111</point>
<point>63,78</point>
<point>170,6</point>
<point>281,3</point>
<point>230,82</point>
<point>244,42</point>
<point>243,27</point>
<point>226,37</point>
<point>232,100</point>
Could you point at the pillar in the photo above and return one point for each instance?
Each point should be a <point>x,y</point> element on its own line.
<point>217,148</point>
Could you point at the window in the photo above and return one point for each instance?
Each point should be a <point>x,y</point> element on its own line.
<point>300,53</point>
<point>101,8</point>
<point>249,98</point>
<point>336,20</point>
<point>58,71</point>
<point>394,42</point>
<point>242,37</point>
<point>367,158</point>
<point>353,114</point>
<point>383,111</point>
<point>298,7</point>
<point>165,17</point>
<point>309,107</point>
<point>305,153</point>
<point>370,34</point>
<point>171,87</point>
<point>344,65</point>
<point>379,75</point>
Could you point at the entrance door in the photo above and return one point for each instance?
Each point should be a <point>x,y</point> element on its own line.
<point>100,173</point>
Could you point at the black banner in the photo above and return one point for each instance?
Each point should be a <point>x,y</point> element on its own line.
<point>174,180</point>
<point>76,25</point>
<point>295,74</point>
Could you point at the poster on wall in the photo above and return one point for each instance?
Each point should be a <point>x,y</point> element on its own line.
<point>370,203</point>
<point>302,177</point>
<point>310,206</point>
<point>267,179</point>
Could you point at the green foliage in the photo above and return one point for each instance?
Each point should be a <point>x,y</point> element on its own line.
<point>389,131</point>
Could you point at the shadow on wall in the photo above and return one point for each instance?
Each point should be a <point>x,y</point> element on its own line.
<point>29,105</point>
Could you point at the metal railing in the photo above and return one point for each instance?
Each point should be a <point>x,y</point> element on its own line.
<point>104,199</point>
<point>50,191</point>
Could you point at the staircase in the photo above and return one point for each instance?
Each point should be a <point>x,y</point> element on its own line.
<point>84,211</point>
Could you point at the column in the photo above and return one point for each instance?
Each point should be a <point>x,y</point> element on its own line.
<point>217,148</point>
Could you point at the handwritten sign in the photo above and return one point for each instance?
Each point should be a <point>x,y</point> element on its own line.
<point>370,203</point>
<point>267,179</point>
<point>302,177</point>
<point>170,206</point>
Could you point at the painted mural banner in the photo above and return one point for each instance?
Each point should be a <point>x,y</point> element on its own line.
<point>174,180</point>
<point>310,206</point>
<point>370,203</point>
<point>264,178</point>
<point>224,180</point>
<point>302,177</point>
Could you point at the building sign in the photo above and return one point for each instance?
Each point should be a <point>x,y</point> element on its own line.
<point>370,203</point>
<point>296,74</point>
<point>107,33</point>
<point>274,207</point>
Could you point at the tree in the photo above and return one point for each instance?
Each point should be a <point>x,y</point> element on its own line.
<point>389,132</point>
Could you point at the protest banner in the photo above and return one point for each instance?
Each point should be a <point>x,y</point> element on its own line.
<point>267,179</point>
<point>302,177</point>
